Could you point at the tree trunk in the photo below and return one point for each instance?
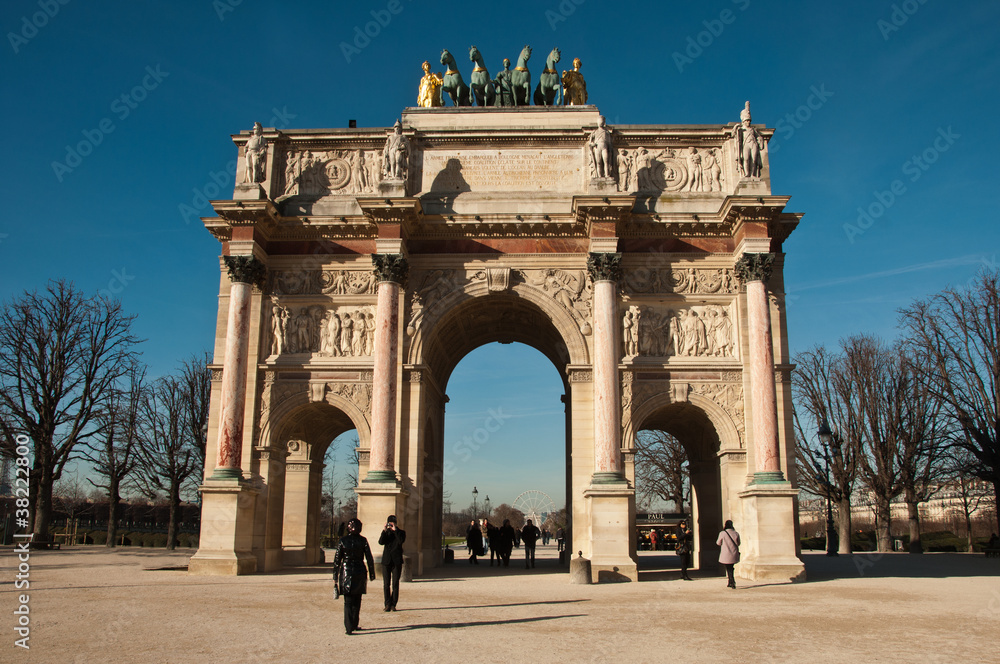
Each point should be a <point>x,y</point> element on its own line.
<point>883,522</point>
<point>844,524</point>
<point>913,519</point>
<point>43,508</point>
<point>174,516</point>
<point>968,522</point>
<point>113,500</point>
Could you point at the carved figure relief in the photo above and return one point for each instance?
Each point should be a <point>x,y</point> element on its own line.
<point>331,282</point>
<point>342,172</point>
<point>646,171</point>
<point>730,397</point>
<point>360,394</point>
<point>689,281</point>
<point>569,288</point>
<point>702,331</point>
<point>337,332</point>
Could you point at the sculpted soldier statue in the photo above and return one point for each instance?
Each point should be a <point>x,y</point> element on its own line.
<point>256,151</point>
<point>429,93</point>
<point>602,150</point>
<point>574,87</point>
<point>396,154</point>
<point>505,93</point>
<point>749,143</point>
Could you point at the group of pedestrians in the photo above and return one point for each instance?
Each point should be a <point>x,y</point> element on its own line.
<point>354,566</point>
<point>501,542</point>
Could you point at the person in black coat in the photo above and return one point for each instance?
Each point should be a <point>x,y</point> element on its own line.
<point>474,540</point>
<point>493,539</point>
<point>529,535</point>
<point>505,541</point>
<point>350,574</point>
<point>391,539</point>
<point>684,545</point>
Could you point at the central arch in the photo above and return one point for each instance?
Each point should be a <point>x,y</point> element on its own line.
<point>448,330</point>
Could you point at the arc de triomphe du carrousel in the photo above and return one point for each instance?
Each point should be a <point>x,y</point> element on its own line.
<point>360,265</point>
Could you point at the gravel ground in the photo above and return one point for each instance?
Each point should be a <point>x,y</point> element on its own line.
<point>141,605</point>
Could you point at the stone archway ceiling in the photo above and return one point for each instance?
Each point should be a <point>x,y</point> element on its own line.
<point>689,425</point>
<point>316,423</point>
<point>504,318</point>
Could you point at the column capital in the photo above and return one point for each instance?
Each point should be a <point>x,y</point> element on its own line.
<point>754,267</point>
<point>391,267</point>
<point>604,266</point>
<point>245,269</point>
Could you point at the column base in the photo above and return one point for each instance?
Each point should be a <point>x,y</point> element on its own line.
<point>605,478</point>
<point>610,525</point>
<point>380,477</point>
<point>226,474</point>
<point>768,534</point>
<point>769,477</point>
<point>226,541</point>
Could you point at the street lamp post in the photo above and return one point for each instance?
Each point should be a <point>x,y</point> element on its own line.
<point>486,506</point>
<point>826,436</point>
<point>475,512</point>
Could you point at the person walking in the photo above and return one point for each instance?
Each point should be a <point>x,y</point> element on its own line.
<point>474,540</point>
<point>492,540</point>
<point>505,541</point>
<point>391,539</point>
<point>560,539</point>
<point>729,540</point>
<point>684,544</point>
<point>529,535</point>
<point>653,536</point>
<point>349,572</point>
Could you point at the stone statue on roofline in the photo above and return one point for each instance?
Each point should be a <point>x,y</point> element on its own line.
<point>396,154</point>
<point>749,146</point>
<point>256,153</point>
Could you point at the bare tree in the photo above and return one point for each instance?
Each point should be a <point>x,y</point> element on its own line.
<point>504,511</point>
<point>823,391</point>
<point>168,451</point>
<point>113,450</point>
<point>970,491</point>
<point>60,353</point>
<point>196,381</point>
<point>661,469</point>
<point>915,416</point>
<point>957,331</point>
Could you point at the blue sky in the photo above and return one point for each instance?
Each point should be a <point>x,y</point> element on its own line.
<point>879,107</point>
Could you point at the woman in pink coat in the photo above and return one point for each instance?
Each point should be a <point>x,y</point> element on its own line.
<point>729,540</point>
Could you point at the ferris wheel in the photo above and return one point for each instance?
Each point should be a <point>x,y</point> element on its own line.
<point>535,505</point>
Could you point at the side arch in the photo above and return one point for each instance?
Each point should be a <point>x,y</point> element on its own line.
<point>725,427</point>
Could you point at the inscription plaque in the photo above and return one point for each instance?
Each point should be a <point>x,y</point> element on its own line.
<point>458,171</point>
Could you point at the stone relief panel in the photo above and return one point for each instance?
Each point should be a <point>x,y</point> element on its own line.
<point>331,172</point>
<point>696,331</point>
<point>343,331</point>
<point>688,281</point>
<point>570,288</point>
<point>330,282</point>
<point>646,170</point>
<point>730,397</point>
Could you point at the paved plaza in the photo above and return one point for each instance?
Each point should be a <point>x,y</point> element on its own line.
<point>141,605</point>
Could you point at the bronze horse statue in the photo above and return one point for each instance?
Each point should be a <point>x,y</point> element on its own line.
<point>520,79</point>
<point>548,82</point>
<point>454,85</point>
<point>482,85</point>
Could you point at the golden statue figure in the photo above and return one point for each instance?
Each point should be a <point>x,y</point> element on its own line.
<point>574,87</point>
<point>430,88</point>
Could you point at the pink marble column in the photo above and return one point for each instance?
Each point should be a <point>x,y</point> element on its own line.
<point>391,270</point>
<point>244,271</point>
<point>605,271</point>
<point>754,270</point>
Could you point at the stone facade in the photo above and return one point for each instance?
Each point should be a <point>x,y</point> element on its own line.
<point>496,225</point>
